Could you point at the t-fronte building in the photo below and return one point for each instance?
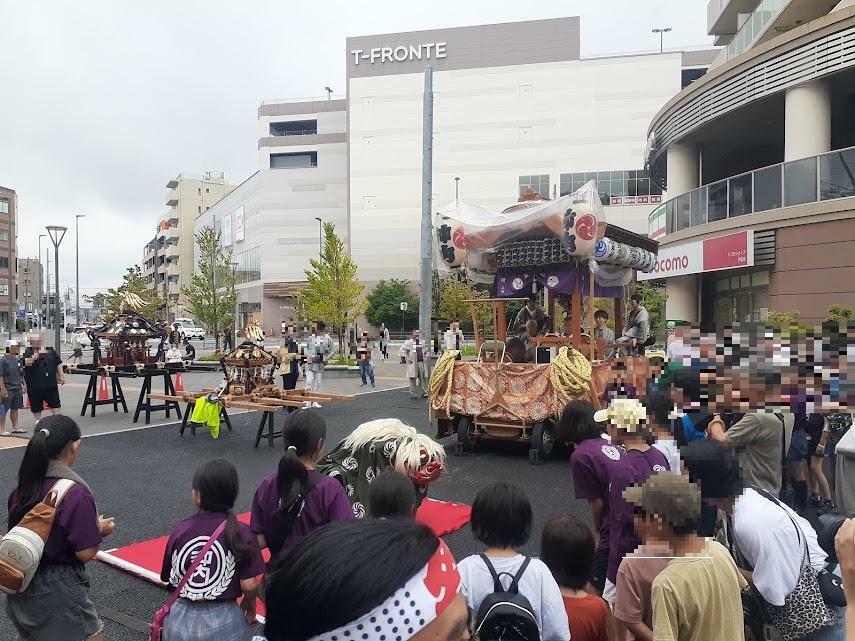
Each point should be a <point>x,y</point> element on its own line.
<point>515,106</point>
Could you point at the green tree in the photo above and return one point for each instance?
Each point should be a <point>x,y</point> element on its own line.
<point>384,304</point>
<point>109,304</point>
<point>211,296</point>
<point>653,299</point>
<point>453,294</point>
<point>333,293</point>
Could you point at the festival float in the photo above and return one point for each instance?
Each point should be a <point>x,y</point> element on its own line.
<point>565,248</point>
<point>248,384</point>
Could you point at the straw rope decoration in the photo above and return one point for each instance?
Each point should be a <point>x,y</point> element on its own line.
<point>569,373</point>
<point>440,384</point>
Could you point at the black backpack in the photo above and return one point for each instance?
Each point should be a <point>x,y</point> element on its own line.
<point>506,615</point>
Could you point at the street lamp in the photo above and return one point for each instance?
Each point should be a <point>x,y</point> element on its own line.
<point>320,236</point>
<point>329,93</point>
<point>77,268</point>
<point>456,188</point>
<point>661,33</point>
<point>56,233</point>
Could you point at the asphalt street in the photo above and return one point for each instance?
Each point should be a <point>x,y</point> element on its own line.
<point>143,477</point>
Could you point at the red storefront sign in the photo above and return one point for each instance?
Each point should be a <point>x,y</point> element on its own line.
<point>728,252</point>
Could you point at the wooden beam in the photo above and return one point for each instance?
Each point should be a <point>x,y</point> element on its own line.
<point>618,317</point>
<point>258,407</point>
<point>326,395</point>
<point>576,313</point>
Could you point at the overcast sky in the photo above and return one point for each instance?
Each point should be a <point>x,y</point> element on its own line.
<point>103,101</point>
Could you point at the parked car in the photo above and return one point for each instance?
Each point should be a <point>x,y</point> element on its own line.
<point>189,330</point>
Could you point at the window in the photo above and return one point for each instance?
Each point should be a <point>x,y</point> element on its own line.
<point>207,191</point>
<point>4,290</point>
<point>837,179</point>
<point>248,265</point>
<point>4,234</point>
<point>294,128</point>
<point>4,206</point>
<point>293,161</point>
<point>800,182</point>
<point>629,187</point>
<point>688,76</point>
<point>199,191</point>
<point>4,261</point>
<point>199,209</point>
<point>539,183</point>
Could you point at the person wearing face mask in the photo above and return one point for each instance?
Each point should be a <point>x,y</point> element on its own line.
<point>415,354</point>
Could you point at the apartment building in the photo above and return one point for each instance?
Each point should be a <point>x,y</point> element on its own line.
<point>168,258</point>
<point>8,256</point>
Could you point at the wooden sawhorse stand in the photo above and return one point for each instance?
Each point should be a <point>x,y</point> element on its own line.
<point>144,402</point>
<point>91,398</point>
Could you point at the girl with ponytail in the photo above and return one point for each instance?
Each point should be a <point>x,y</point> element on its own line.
<point>56,605</point>
<point>296,499</point>
<point>207,608</point>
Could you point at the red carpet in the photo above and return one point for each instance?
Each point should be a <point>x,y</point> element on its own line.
<point>144,559</point>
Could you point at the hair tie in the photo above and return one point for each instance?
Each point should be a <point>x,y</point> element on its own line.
<point>291,447</point>
<point>45,431</point>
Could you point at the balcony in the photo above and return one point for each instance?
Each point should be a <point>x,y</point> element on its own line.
<point>173,289</point>
<point>172,197</point>
<point>770,18</point>
<point>829,176</point>
<point>170,233</point>
<point>172,270</point>
<point>171,251</point>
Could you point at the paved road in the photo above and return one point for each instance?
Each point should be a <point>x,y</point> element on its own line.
<point>389,374</point>
<point>143,479</point>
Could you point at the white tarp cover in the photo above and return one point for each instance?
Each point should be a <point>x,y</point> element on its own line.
<point>467,236</point>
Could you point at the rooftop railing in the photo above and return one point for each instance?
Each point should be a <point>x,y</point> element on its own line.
<point>828,176</point>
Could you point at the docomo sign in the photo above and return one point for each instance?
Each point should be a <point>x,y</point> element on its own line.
<point>400,53</point>
<point>713,254</point>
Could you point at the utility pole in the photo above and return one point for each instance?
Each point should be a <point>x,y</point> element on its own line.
<point>77,268</point>
<point>42,312</point>
<point>427,228</point>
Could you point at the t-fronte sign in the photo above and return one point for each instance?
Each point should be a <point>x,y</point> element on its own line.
<point>401,53</point>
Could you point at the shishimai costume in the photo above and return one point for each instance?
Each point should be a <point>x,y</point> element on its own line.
<point>376,446</point>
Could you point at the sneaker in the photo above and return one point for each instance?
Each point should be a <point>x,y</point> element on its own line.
<point>827,506</point>
<point>316,406</point>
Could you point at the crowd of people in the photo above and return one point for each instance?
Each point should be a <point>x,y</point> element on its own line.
<point>704,526</point>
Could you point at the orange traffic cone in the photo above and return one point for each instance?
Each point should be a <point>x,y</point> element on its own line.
<point>179,384</point>
<point>102,389</point>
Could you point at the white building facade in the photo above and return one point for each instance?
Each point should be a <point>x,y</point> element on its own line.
<point>272,221</point>
<point>514,107</point>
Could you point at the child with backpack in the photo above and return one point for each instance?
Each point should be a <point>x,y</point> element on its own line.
<point>51,602</point>
<point>207,607</point>
<point>296,499</point>
<point>567,548</point>
<point>506,590</point>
